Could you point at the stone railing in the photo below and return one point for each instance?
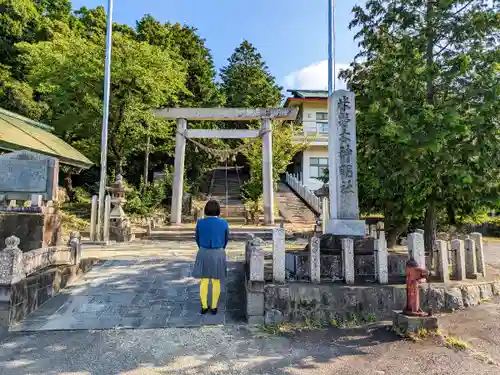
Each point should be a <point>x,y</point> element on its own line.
<point>16,265</point>
<point>303,191</point>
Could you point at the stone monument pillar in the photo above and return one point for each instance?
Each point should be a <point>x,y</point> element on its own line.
<point>343,171</point>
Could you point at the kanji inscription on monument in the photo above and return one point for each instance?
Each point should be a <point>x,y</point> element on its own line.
<point>343,182</point>
<point>347,198</point>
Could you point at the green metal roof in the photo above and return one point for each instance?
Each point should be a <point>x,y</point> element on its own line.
<point>306,94</point>
<point>20,133</point>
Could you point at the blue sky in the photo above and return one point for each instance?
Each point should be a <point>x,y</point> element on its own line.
<point>291,35</point>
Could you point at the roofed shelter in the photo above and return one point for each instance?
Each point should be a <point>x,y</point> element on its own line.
<point>20,133</point>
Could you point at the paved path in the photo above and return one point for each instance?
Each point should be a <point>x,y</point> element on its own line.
<point>154,291</point>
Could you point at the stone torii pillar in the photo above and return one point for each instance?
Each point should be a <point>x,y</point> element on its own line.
<point>267,171</point>
<point>178,183</point>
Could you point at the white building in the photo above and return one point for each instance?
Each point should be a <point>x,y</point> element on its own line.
<point>312,120</point>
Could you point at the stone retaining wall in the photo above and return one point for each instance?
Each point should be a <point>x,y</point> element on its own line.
<point>34,230</point>
<point>22,298</point>
<point>324,302</point>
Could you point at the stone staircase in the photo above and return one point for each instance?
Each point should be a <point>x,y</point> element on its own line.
<point>225,188</point>
<point>184,233</point>
<point>292,208</point>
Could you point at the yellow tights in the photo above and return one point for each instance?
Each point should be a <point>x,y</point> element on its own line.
<point>204,293</point>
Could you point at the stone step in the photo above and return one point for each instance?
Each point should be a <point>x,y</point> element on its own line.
<point>246,229</point>
<point>190,235</point>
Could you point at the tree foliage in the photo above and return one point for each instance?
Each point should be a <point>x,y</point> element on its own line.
<point>246,82</point>
<point>428,110</point>
<point>142,77</point>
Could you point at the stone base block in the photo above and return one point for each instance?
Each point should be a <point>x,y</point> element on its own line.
<point>342,227</point>
<point>409,324</point>
<point>255,320</point>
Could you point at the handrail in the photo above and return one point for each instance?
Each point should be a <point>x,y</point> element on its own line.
<point>303,191</point>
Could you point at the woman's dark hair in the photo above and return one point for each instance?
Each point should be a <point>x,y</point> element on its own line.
<point>212,208</point>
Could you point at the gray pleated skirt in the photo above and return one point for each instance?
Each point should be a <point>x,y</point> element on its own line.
<point>210,264</point>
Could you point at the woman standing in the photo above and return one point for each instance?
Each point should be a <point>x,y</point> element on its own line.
<point>212,236</point>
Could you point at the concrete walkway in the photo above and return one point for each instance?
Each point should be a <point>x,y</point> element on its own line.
<point>154,291</point>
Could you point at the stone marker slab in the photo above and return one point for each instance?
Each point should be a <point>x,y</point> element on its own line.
<point>25,173</point>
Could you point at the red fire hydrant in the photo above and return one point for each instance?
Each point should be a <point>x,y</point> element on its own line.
<point>414,276</point>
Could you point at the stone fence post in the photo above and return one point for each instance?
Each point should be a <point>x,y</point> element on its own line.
<point>470,258</point>
<point>458,247</point>
<point>416,248</point>
<point>278,255</point>
<point>255,282</point>
<point>442,261</point>
<point>314,260</point>
<point>381,259</point>
<point>93,219</point>
<point>76,247</point>
<point>478,240</point>
<point>347,245</point>
<point>256,261</point>
<point>11,262</point>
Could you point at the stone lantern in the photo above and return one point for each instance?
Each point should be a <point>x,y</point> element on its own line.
<point>119,223</point>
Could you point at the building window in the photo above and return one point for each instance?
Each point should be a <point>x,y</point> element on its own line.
<point>322,122</point>
<point>321,116</point>
<point>317,167</point>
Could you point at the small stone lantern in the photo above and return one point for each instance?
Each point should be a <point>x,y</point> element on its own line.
<point>119,222</point>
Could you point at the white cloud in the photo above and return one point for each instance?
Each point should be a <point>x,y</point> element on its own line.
<point>313,77</point>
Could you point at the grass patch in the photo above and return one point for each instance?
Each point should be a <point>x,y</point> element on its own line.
<point>347,321</point>
<point>72,223</point>
<point>453,342</point>
<point>79,210</point>
<point>291,328</point>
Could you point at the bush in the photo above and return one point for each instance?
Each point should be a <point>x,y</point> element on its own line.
<point>251,194</point>
<point>143,202</point>
<point>82,196</point>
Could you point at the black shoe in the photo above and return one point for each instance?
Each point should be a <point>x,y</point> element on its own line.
<point>203,311</point>
<point>213,311</point>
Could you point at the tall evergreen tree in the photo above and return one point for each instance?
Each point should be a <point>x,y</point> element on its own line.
<point>247,82</point>
<point>428,106</point>
<point>201,89</point>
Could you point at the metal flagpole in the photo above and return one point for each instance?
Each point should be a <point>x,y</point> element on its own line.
<point>331,47</point>
<point>105,114</point>
<point>332,129</point>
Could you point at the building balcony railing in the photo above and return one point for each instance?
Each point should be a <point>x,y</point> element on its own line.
<point>313,130</point>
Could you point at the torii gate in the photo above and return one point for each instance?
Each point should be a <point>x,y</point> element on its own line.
<point>182,115</point>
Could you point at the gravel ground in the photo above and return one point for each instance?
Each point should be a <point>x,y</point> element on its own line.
<point>231,350</point>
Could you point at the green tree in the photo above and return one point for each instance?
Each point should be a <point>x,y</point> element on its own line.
<point>428,107</point>
<point>17,96</point>
<point>68,72</point>
<point>284,149</point>
<point>200,82</point>
<point>247,82</point>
